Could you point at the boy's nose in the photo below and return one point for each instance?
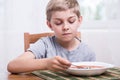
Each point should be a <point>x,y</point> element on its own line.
<point>65,27</point>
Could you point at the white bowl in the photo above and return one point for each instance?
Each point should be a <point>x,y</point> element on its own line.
<point>89,71</point>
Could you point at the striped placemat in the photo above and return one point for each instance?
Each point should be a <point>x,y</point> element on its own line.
<point>110,74</point>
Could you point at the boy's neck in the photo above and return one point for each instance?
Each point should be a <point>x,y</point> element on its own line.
<point>70,45</point>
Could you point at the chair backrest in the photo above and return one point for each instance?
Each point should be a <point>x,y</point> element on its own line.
<point>31,38</point>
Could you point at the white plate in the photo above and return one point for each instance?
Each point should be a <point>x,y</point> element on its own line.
<point>91,71</point>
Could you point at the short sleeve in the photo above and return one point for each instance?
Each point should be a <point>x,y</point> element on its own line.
<point>38,48</point>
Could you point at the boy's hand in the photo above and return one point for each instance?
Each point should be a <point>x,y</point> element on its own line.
<point>57,64</point>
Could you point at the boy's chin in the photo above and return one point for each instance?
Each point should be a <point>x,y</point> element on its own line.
<point>66,39</point>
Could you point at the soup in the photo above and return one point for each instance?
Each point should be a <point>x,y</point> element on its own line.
<point>86,67</point>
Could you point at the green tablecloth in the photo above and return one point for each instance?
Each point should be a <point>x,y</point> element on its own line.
<point>110,74</point>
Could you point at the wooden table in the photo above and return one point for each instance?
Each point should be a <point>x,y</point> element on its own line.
<point>9,76</point>
<point>5,75</point>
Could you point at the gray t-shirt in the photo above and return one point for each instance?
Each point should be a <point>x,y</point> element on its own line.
<point>47,47</point>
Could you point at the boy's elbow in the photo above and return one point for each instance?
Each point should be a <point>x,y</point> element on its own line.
<point>11,68</point>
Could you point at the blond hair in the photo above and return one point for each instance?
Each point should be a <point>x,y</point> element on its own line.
<point>61,5</point>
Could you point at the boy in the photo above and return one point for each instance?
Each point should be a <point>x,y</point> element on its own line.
<point>57,52</point>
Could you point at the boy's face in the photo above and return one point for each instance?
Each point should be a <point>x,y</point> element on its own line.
<point>64,24</point>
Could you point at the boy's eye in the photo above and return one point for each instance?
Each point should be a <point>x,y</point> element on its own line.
<point>58,22</point>
<point>71,20</point>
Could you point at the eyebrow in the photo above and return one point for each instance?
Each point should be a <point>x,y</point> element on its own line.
<point>57,18</point>
<point>60,18</point>
<point>72,17</point>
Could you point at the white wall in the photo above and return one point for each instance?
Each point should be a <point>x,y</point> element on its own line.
<point>105,44</point>
<point>103,39</point>
<point>29,16</point>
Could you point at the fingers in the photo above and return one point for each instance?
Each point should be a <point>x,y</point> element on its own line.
<point>58,64</point>
<point>58,68</point>
<point>63,61</point>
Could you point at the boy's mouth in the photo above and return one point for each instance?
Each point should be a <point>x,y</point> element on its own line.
<point>66,34</point>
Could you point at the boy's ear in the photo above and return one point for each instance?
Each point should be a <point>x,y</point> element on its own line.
<point>49,25</point>
<point>80,19</point>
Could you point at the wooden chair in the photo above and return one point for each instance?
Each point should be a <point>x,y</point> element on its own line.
<point>31,38</point>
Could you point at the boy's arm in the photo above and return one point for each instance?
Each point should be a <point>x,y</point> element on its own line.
<point>25,63</point>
